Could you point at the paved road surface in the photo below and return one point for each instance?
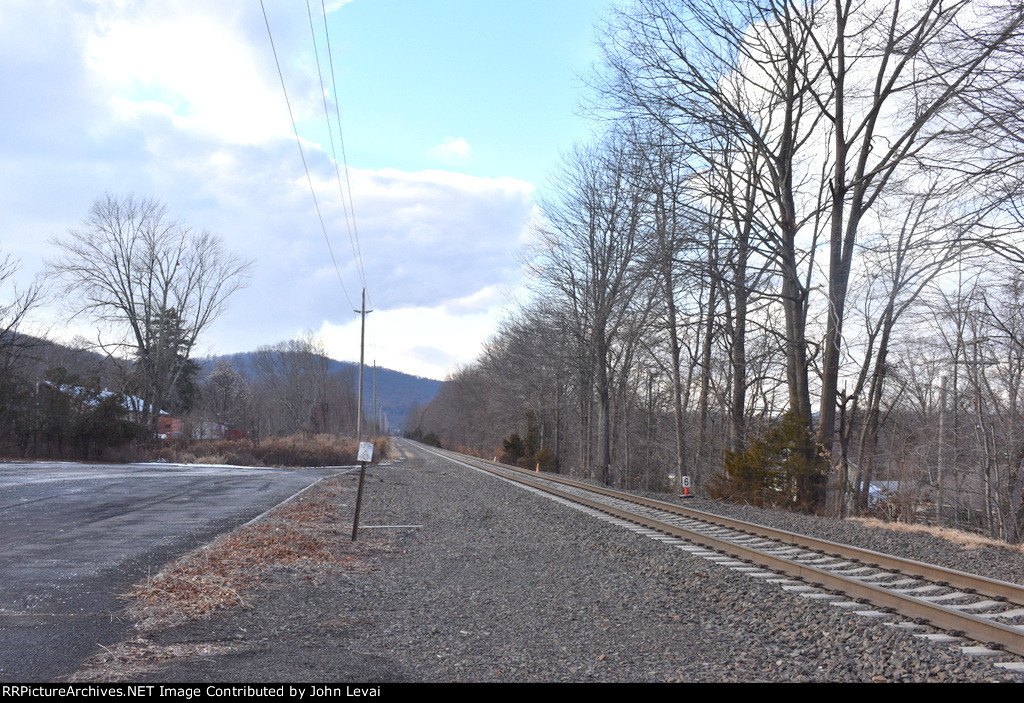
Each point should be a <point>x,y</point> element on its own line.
<point>75,536</point>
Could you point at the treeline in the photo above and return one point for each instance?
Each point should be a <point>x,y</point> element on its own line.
<point>63,415</point>
<point>153,286</point>
<point>60,402</point>
<point>285,389</point>
<point>790,268</point>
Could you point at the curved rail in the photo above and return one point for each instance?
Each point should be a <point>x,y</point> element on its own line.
<point>778,556</point>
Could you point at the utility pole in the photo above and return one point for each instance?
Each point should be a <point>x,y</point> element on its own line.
<point>359,414</point>
<point>363,312</point>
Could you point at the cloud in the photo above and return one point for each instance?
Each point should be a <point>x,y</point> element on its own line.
<point>484,299</point>
<point>433,356</point>
<point>337,4</point>
<point>428,342</point>
<point>180,102</point>
<point>198,67</point>
<point>452,150</point>
<point>456,234</point>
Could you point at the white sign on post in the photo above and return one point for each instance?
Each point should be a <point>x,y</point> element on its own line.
<point>365,451</point>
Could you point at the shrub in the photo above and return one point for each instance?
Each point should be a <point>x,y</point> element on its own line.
<point>512,449</point>
<point>547,460</point>
<point>432,440</point>
<point>294,450</point>
<point>778,469</point>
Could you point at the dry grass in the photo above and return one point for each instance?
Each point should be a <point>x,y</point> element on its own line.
<point>294,450</point>
<point>128,660</point>
<point>304,536</point>
<point>966,539</point>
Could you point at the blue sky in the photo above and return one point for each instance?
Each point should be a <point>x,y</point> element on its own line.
<point>499,75</point>
<point>455,113</point>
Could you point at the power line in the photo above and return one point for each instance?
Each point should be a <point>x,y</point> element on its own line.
<point>344,157</point>
<point>341,137</point>
<point>302,153</point>
<point>350,220</point>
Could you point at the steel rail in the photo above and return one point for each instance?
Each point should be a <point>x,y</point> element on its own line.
<point>972,626</point>
<point>961,580</point>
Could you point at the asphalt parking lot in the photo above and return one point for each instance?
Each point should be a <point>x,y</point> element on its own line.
<point>75,536</point>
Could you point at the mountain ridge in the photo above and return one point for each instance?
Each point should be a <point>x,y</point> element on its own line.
<point>397,391</point>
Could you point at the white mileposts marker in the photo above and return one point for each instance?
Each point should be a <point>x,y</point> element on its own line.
<point>365,455</point>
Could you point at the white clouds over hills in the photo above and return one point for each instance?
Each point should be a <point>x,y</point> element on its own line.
<point>182,102</point>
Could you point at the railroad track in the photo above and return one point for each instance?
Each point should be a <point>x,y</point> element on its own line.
<point>964,605</point>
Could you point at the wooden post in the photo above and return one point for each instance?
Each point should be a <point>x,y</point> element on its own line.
<point>359,418</point>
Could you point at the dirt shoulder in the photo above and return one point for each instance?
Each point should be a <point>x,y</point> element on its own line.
<point>255,604</point>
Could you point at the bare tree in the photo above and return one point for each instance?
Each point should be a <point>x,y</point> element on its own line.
<point>291,378</point>
<point>924,235</point>
<point>684,256</point>
<point>152,281</point>
<point>15,306</point>
<point>733,82</point>
<point>894,76</point>
<point>981,437</point>
<point>226,395</point>
<point>592,250</point>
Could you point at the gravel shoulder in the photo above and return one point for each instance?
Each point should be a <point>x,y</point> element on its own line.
<point>501,585</point>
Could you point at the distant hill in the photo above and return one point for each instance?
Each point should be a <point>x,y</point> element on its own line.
<point>37,355</point>
<point>397,392</point>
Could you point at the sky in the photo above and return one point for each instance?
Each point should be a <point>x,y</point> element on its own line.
<point>454,114</point>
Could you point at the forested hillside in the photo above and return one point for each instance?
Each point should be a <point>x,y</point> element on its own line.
<point>396,392</point>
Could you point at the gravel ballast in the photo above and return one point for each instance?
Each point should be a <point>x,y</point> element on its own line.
<point>502,585</point>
